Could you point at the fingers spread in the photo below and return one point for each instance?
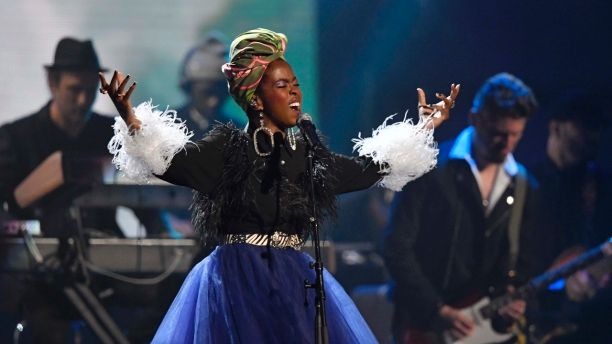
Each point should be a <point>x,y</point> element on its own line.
<point>455,91</point>
<point>123,83</point>
<point>130,90</point>
<point>103,82</point>
<point>116,87</point>
<point>441,109</point>
<point>422,99</point>
<point>113,82</point>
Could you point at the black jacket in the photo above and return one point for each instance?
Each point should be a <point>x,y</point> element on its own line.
<point>242,193</point>
<point>27,142</point>
<point>440,247</point>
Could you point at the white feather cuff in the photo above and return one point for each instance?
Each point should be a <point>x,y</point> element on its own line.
<point>149,150</point>
<point>405,150</point>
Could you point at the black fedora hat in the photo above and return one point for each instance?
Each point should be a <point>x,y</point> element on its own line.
<point>72,54</point>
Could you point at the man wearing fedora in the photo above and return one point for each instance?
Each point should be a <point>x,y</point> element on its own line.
<point>66,124</point>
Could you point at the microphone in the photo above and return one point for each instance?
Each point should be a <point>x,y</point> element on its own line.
<point>308,130</point>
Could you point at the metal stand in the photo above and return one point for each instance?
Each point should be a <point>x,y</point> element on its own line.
<point>321,335</point>
<point>79,293</point>
<point>94,313</point>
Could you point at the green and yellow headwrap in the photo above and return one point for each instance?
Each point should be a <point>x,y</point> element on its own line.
<point>250,54</point>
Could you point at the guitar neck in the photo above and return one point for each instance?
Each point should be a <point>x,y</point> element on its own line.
<point>544,280</point>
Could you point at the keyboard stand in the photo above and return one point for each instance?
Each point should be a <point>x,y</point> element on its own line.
<point>83,299</point>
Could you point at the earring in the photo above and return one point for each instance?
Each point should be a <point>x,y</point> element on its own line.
<point>291,139</point>
<point>267,131</point>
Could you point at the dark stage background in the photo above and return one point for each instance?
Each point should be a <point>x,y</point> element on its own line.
<point>373,55</point>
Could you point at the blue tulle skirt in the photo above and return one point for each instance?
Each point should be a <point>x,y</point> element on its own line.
<point>243,293</point>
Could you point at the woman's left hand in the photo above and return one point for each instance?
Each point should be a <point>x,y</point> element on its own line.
<point>438,112</point>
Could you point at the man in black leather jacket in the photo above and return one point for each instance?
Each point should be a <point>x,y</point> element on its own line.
<point>447,241</point>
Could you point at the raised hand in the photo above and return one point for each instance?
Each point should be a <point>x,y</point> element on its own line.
<point>115,90</point>
<point>438,112</point>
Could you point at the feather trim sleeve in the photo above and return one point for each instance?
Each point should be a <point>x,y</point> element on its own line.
<point>149,150</point>
<point>404,150</point>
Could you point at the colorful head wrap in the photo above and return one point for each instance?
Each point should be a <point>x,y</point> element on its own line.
<point>250,53</point>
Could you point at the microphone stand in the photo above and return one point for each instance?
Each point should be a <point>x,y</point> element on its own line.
<point>321,335</point>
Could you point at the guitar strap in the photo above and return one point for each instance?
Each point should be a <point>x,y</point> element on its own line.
<point>516,216</point>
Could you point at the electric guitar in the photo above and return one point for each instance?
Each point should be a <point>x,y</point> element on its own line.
<point>485,309</point>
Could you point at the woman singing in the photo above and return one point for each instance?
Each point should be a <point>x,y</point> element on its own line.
<point>252,197</point>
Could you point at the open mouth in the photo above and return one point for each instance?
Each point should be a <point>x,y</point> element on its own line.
<point>295,106</point>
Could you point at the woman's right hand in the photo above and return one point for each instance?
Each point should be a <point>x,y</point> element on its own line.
<point>121,99</point>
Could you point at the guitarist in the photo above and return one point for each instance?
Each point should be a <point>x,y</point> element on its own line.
<point>578,212</point>
<point>448,239</point>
